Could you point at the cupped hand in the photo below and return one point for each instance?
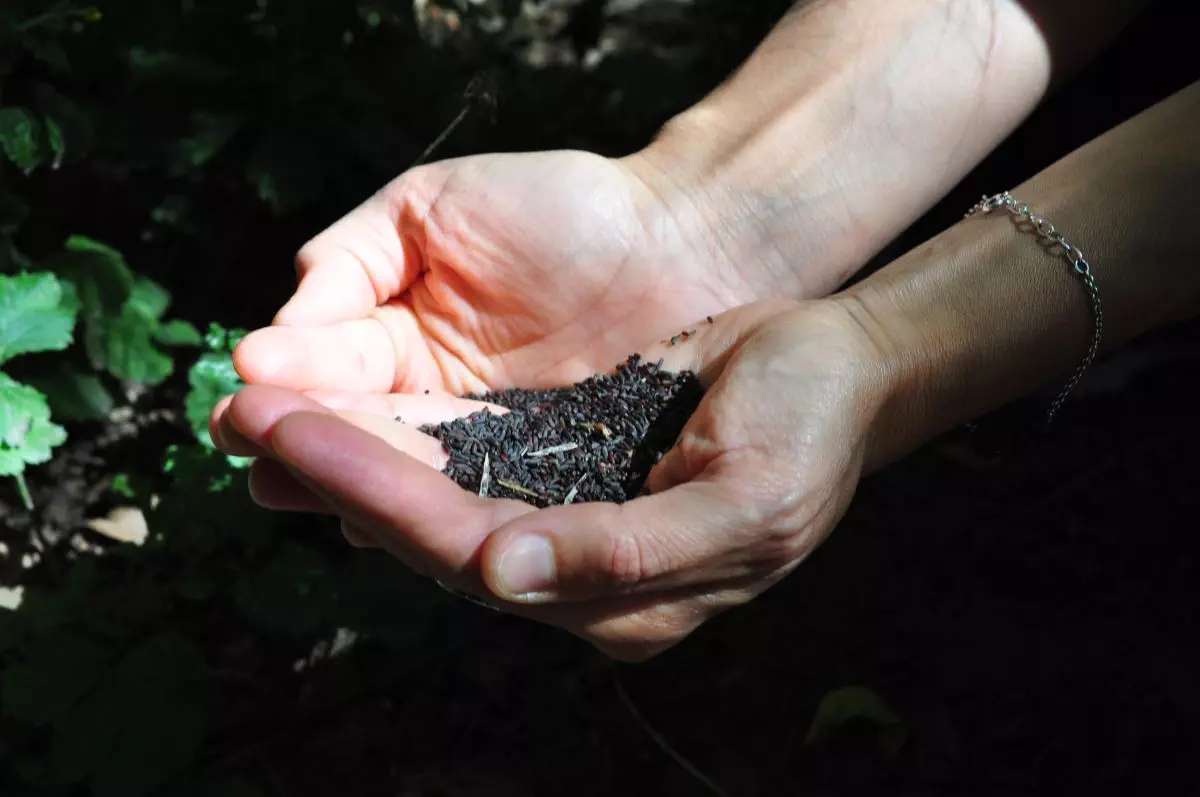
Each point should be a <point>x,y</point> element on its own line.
<point>760,475</point>
<point>493,271</point>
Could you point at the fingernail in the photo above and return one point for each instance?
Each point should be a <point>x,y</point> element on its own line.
<point>527,566</point>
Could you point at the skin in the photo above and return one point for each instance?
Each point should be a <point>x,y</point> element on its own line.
<point>497,270</point>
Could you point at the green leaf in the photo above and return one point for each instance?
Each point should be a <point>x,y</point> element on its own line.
<point>22,137</point>
<point>143,726</point>
<point>73,394</point>
<point>841,708</point>
<point>148,299</point>
<point>124,346</point>
<point>218,338</point>
<point>121,312</point>
<point>178,333</point>
<point>53,674</point>
<point>122,485</point>
<point>99,274</point>
<point>32,316</point>
<point>211,379</point>
<point>285,171</point>
<point>27,437</point>
<point>67,121</point>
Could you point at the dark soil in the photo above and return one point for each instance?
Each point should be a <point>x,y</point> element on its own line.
<point>594,441</point>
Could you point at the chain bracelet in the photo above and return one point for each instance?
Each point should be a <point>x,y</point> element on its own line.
<point>1046,231</point>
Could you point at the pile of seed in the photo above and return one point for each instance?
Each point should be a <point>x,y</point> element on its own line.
<point>594,441</point>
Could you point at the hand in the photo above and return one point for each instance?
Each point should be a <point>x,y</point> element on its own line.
<point>760,475</point>
<point>494,271</point>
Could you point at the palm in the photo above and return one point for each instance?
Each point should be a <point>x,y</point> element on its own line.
<point>504,270</point>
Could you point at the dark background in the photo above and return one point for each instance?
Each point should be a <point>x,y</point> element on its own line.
<point>1028,610</point>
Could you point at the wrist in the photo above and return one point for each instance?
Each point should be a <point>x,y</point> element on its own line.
<point>971,320</point>
<point>834,137</point>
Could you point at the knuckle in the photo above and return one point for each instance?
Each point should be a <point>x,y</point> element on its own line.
<point>626,560</point>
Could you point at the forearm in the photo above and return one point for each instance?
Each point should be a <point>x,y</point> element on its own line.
<point>852,118</point>
<point>982,314</point>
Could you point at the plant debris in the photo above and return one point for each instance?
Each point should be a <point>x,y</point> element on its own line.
<point>594,441</point>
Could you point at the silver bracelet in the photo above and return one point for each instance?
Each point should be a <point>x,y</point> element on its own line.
<point>1045,230</point>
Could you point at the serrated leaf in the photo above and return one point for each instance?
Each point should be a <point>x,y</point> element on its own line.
<point>210,379</point>
<point>22,138</point>
<point>32,316</point>
<point>27,437</point>
<point>72,125</point>
<point>124,346</point>
<point>220,339</point>
<point>97,272</point>
<point>148,299</point>
<point>51,676</point>
<point>120,311</point>
<point>143,726</point>
<point>178,333</point>
<point>853,704</point>
<point>74,395</point>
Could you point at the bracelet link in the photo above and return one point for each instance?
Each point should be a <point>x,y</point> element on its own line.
<point>1083,269</point>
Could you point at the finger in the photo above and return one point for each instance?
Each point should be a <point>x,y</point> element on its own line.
<point>416,409</point>
<point>402,437</point>
<point>705,346</point>
<point>214,420</point>
<point>357,537</point>
<point>403,503</point>
<point>254,411</point>
<point>356,356</point>
<point>272,487</point>
<point>588,551</point>
<point>249,422</point>
<point>355,265</point>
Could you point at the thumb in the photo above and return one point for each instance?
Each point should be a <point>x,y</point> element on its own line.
<point>588,551</point>
<point>357,264</point>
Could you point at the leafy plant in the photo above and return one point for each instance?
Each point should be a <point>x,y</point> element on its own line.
<point>33,319</point>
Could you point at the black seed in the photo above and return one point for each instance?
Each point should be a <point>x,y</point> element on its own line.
<point>620,425</point>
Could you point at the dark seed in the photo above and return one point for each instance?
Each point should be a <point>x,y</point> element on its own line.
<point>594,441</point>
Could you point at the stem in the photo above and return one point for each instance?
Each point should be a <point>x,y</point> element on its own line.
<point>704,780</point>
<point>23,489</point>
<point>437,142</point>
<point>57,11</point>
